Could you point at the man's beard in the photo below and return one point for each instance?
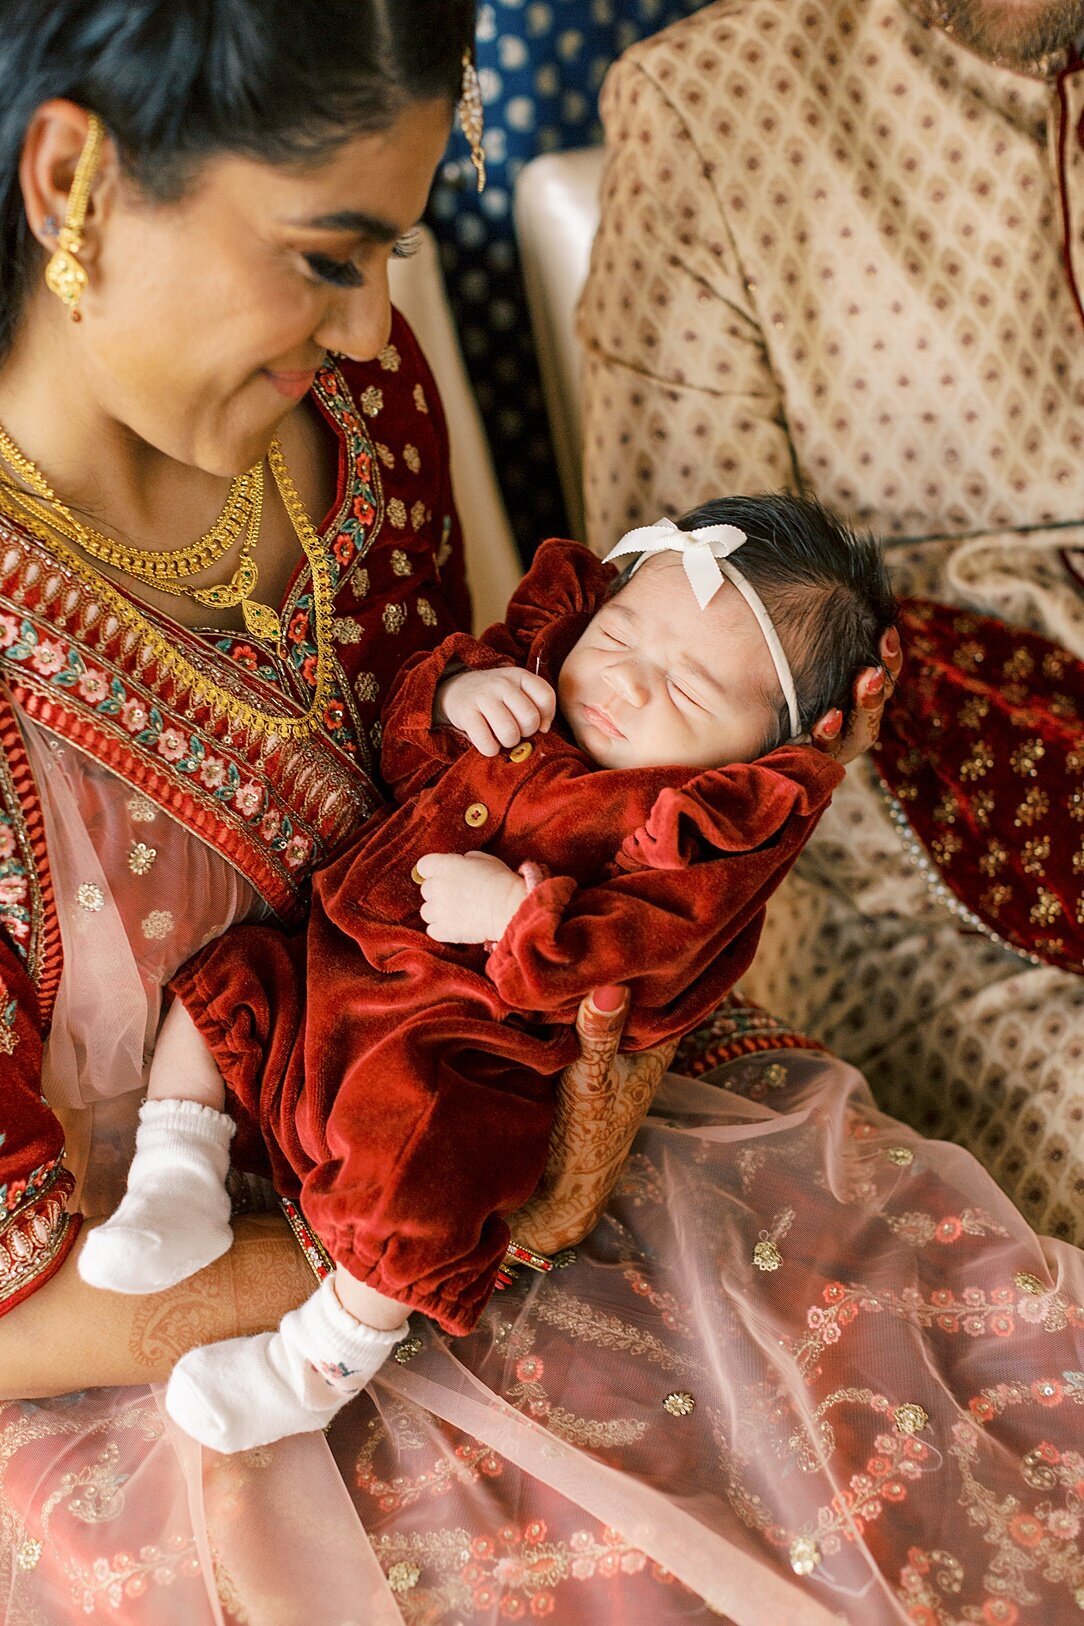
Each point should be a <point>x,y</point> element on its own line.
<point>1013,31</point>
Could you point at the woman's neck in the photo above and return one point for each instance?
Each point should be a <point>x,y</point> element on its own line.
<point>135,493</point>
<point>98,468</point>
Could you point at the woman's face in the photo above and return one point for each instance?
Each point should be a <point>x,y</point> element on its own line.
<point>206,319</point>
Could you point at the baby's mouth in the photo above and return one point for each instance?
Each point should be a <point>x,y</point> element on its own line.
<point>603,722</point>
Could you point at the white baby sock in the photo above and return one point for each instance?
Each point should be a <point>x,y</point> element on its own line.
<point>175,1217</point>
<point>250,1391</point>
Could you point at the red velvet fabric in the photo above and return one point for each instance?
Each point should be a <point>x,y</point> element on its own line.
<point>410,1103</point>
<point>983,748</point>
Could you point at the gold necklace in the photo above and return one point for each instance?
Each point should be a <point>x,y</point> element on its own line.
<point>203,689</point>
<point>157,568</point>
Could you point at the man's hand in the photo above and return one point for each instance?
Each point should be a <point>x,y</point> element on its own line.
<point>495,708</point>
<point>872,689</point>
<point>468,897</point>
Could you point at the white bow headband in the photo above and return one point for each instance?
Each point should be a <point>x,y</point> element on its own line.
<point>705,555</point>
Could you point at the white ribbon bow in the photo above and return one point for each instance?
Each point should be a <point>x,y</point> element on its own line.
<point>705,557</point>
<point>700,551</point>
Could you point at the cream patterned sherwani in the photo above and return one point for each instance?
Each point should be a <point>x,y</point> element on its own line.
<point>842,253</point>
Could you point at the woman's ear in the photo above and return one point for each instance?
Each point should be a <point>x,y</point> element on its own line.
<point>55,138</point>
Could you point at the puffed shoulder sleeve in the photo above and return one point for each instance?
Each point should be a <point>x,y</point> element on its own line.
<point>679,917</point>
<point>36,1229</point>
<point>565,581</point>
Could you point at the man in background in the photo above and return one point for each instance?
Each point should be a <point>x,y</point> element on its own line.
<point>842,251</point>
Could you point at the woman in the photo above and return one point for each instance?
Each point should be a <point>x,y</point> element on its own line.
<point>806,1367</point>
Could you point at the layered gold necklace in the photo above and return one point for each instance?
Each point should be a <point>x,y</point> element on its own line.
<point>167,569</point>
<point>40,511</point>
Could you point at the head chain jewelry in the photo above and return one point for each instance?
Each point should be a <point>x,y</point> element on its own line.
<point>705,556</point>
<point>471,117</point>
<point>64,275</point>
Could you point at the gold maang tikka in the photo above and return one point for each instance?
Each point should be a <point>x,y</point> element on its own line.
<point>64,275</point>
<point>471,117</point>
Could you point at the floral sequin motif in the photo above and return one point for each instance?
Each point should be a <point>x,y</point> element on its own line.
<point>141,858</point>
<point>156,925</point>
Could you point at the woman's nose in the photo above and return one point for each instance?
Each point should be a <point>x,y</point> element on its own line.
<point>358,323</point>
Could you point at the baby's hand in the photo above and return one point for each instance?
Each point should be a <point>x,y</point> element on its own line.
<point>495,708</point>
<point>468,897</point>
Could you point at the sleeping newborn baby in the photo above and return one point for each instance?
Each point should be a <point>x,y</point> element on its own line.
<point>606,787</point>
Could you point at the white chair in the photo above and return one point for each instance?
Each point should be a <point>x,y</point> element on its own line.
<point>556,214</point>
<point>493,562</point>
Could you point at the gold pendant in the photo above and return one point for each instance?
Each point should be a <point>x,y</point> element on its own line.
<point>261,620</point>
<point>66,278</point>
<point>235,591</point>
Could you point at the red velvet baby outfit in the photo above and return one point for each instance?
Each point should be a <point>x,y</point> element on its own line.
<point>404,1089</point>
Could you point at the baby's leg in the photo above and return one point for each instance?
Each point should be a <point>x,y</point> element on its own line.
<point>175,1216</point>
<point>245,1392</point>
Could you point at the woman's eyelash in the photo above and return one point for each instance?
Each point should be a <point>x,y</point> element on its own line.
<point>345,274</point>
<point>341,273</point>
<point>408,244</point>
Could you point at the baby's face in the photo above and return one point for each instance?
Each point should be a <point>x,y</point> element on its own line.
<point>655,680</point>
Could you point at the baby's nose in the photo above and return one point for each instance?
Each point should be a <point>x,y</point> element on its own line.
<point>630,680</point>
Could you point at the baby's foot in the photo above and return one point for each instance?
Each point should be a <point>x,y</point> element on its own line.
<point>175,1217</point>
<point>245,1392</point>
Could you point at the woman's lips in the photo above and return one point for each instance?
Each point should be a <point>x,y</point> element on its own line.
<point>604,723</point>
<point>292,385</point>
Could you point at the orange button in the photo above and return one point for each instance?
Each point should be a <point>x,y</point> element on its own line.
<point>476,814</point>
<point>520,752</point>
<point>416,876</point>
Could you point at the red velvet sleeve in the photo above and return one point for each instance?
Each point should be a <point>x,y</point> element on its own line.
<point>565,581</point>
<point>414,751</point>
<point>36,1229</point>
<point>679,919</point>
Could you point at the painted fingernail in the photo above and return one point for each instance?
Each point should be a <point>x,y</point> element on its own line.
<point>876,682</point>
<point>832,724</point>
<point>890,643</point>
<point>610,997</point>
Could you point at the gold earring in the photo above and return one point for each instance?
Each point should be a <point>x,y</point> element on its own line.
<point>471,117</point>
<point>64,275</point>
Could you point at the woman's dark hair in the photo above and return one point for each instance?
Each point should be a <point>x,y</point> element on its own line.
<point>825,587</point>
<point>282,81</point>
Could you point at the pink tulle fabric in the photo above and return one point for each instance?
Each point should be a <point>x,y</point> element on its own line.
<point>809,1368</point>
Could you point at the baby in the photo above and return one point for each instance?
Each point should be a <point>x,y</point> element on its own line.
<point>606,787</point>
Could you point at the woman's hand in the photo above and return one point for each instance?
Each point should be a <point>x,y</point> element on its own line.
<point>872,689</point>
<point>468,897</point>
<point>602,1100</point>
<point>495,708</point>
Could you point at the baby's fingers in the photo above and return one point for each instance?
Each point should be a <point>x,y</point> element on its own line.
<point>477,729</point>
<point>526,713</point>
<point>502,720</point>
<point>543,696</point>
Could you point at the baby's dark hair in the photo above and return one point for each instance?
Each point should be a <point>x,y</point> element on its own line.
<point>825,587</point>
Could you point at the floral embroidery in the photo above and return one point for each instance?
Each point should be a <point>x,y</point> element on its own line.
<point>9,1038</point>
<point>516,1571</point>
<point>15,893</point>
<point>15,1193</point>
<point>39,1229</point>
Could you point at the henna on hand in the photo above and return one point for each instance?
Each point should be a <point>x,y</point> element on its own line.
<point>602,1100</point>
